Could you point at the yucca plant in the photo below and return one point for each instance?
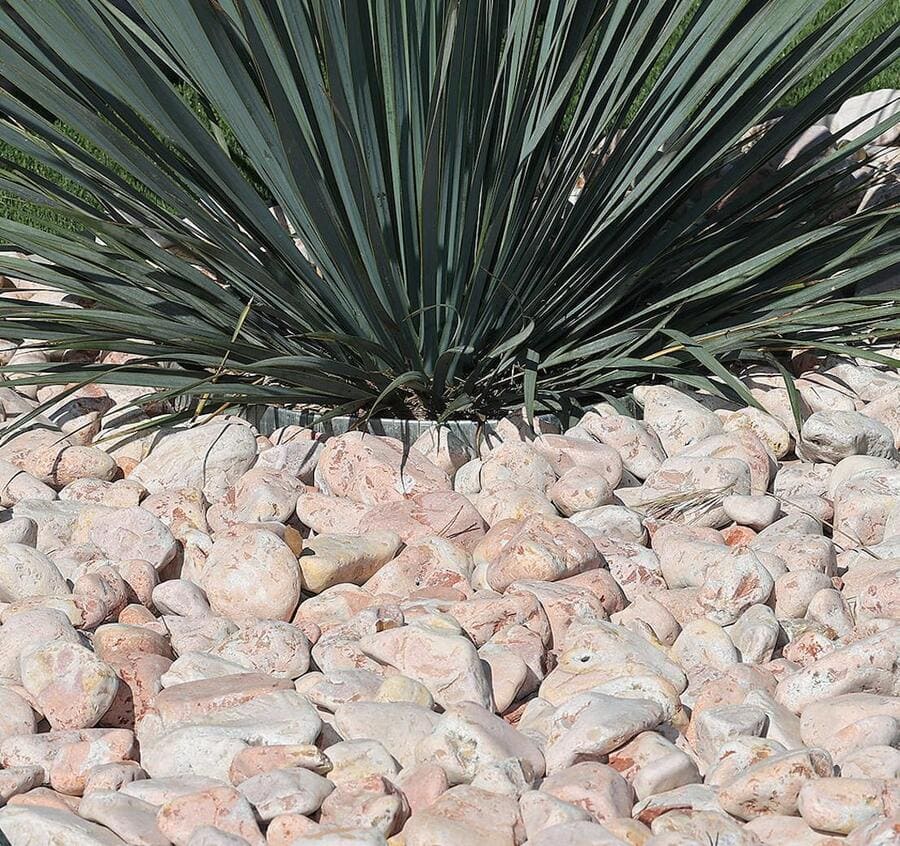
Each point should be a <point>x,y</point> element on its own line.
<point>430,261</point>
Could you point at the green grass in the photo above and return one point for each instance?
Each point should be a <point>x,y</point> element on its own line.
<point>33,215</point>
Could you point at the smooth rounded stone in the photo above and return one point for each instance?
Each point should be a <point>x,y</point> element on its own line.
<point>482,616</point>
<point>371,469</point>
<point>541,548</point>
<point>328,691</point>
<point>25,572</point>
<point>468,477</point>
<point>158,791</point>
<point>739,754</point>
<point>732,585</point>
<point>647,611</point>
<point>879,597</point>
<point>196,666</point>
<point>197,634</point>
<point>842,804</point>
<point>42,826</point>
<point>125,533</point>
<point>112,777</point>
<point>446,663</point>
<point>757,511</point>
<point>512,504</point>
<point>807,643</point>
<point>832,435</point>
<point>829,608</point>
<point>71,686</point>
<point>863,506</point>
<point>285,791</point>
<point>516,465</point>
<point>651,764</point>
<point>565,454</point>
<point>465,814</point>
<point>13,529</point>
<point>445,514</point>
<point>16,484</point>
<point>593,724</point>
<point>795,590</point>
<point>180,509</point>
<point>527,646</point>
<point>755,634</point>
<point>542,811</point>
<point>443,448</point>
<point>370,805</point>
<point>577,833</point>
<point>261,495</point>
<point>635,568</point>
<point>871,760</point>
<point>332,609</point>
<point>821,720</point>
<point>211,457</point>
<point>116,642</point>
<point>699,825</point>
<point>638,445</point>
<point>715,726</point>
<point>223,808</point>
<point>774,436</point>
<point>123,493</point>
<point>697,485</point>
<point>329,514</point>
<point>293,449</point>
<point>358,760</point>
<point>195,750</point>
<point>28,629</point>
<point>743,446</point>
<point>800,552</point>
<point>468,738</point>
<point>866,666</point>
<point>593,787</point>
<point>16,714</point>
<point>17,780</point>
<point>560,603</point>
<point>773,785</point>
<point>328,560</point>
<point>703,650</point>
<point>74,762</point>
<point>599,645</point>
<point>886,410</point>
<point>208,835</point>
<point>182,598</point>
<point>602,584</point>
<point>252,577</point>
<point>849,467</point>
<point>613,522</point>
<point>433,562</point>
<point>676,418</point>
<point>255,760</point>
<point>131,819</point>
<point>267,646</point>
<point>580,489</point>
<point>690,797</point>
<point>878,832</point>
<point>399,726</point>
<point>337,837</point>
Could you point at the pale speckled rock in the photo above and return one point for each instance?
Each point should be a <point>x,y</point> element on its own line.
<point>767,428</point>
<point>180,509</point>
<point>294,450</point>
<point>832,435</point>
<point>513,504</point>
<point>359,760</point>
<point>285,791</point>
<point>131,819</point>
<point>371,470</point>
<point>252,577</point>
<point>222,807</point>
<point>210,457</point>
<point>429,563</point>
<point>125,533</point>
<point>268,646</point>
<point>445,662</point>
<point>841,805</point>
<point>36,826</point>
<point>399,726</point>
<point>732,585</point>
<point>580,489</point>
<point>515,465</point>
<point>565,454</point>
<point>443,448</point>
<point>594,787</point>
<point>468,815</point>
<point>636,443</point>
<point>72,687</point>
<point>16,484</point>
<point>467,738</point>
<point>676,418</point>
<point>255,760</point>
<point>25,572</point>
<point>180,597</point>
<point>328,560</point>
<point>446,514</point>
<point>329,514</point>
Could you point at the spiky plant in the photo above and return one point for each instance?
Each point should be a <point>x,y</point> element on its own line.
<point>423,155</point>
